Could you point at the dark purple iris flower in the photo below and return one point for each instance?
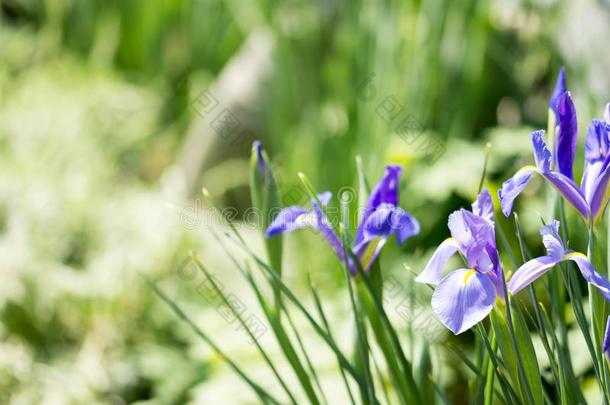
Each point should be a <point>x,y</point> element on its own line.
<point>382,218</point>
<point>591,198</point>
<point>466,296</point>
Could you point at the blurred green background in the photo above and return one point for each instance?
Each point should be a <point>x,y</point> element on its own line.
<point>114,114</point>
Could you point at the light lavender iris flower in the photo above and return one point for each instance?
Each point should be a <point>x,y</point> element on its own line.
<point>556,253</point>
<point>466,296</point>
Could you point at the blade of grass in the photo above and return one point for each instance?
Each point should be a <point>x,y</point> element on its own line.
<point>264,396</point>
<point>243,324</point>
<point>324,319</point>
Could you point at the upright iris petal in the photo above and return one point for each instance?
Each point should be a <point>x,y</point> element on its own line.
<point>560,88</point>
<point>597,167</point>
<point>568,134</point>
<point>465,296</point>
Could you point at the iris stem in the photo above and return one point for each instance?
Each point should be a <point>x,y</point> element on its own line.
<point>596,306</point>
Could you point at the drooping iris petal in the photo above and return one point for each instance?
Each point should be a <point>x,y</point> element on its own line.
<point>379,226</point>
<point>568,134</point>
<point>405,225</point>
<point>325,228</point>
<point>560,88</point>
<point>529,272</point>
<point>589,273</point>
<point>606,345</point>
<point>512,187</point>
<point>290,219</point>
<point>385,192</point>
<point>483,206</point>
<point>433,270</point>
<point>462,299</point>
<point>569,191</point>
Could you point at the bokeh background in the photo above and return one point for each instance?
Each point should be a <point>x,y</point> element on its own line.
<point>114,114</point>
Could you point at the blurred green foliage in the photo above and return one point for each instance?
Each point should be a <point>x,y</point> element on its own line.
<point>96,103</point>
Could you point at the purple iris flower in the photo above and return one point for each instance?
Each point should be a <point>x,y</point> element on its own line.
<point>556,253</point>
<point>382,218</point>
<point>591,198</point>
<point>465,296</point>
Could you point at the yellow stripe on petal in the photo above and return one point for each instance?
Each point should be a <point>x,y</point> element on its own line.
<point>469,274</point>
<point>574,254</point>
<point>526,168</point>
<point>369,252</point>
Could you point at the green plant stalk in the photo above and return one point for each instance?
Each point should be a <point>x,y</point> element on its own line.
<point>263,395</point>
<point>312,369</point>
<point>562,371</point>
<point>575,294</point>
<point>324,319</point>
<point>517,350</point>
<point>395,372</point>
<point>361,347</point>
<point>273,319</point>
<point>243,324</point>
<point>489,383</point>
<point>273,277</point>
<point>292,298</point>
<point>385,334</point>
<point>287,347</point>
<point>266,199</point>
<point>424,375</point>
<point>492,347</point>
<point>597,310</point>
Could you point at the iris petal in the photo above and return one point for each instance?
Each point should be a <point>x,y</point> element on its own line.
<point>379,226</point>
<point>569,191</point>
<point>529,272</point>
<point>512,187</point>
<point>462,299</point>
<point>606,345</point>
<point>589,273</point>
<point>568,134</point>
<point>560,88</point>
<point>432,272</point>
<point>551,240</point>
<point>325,228</point>
<point>458,227</point>
<point>483,206</point>
<point>290,219</point>
<point>542,155</point>
<point>404,224</point>
<point>385,192</point>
